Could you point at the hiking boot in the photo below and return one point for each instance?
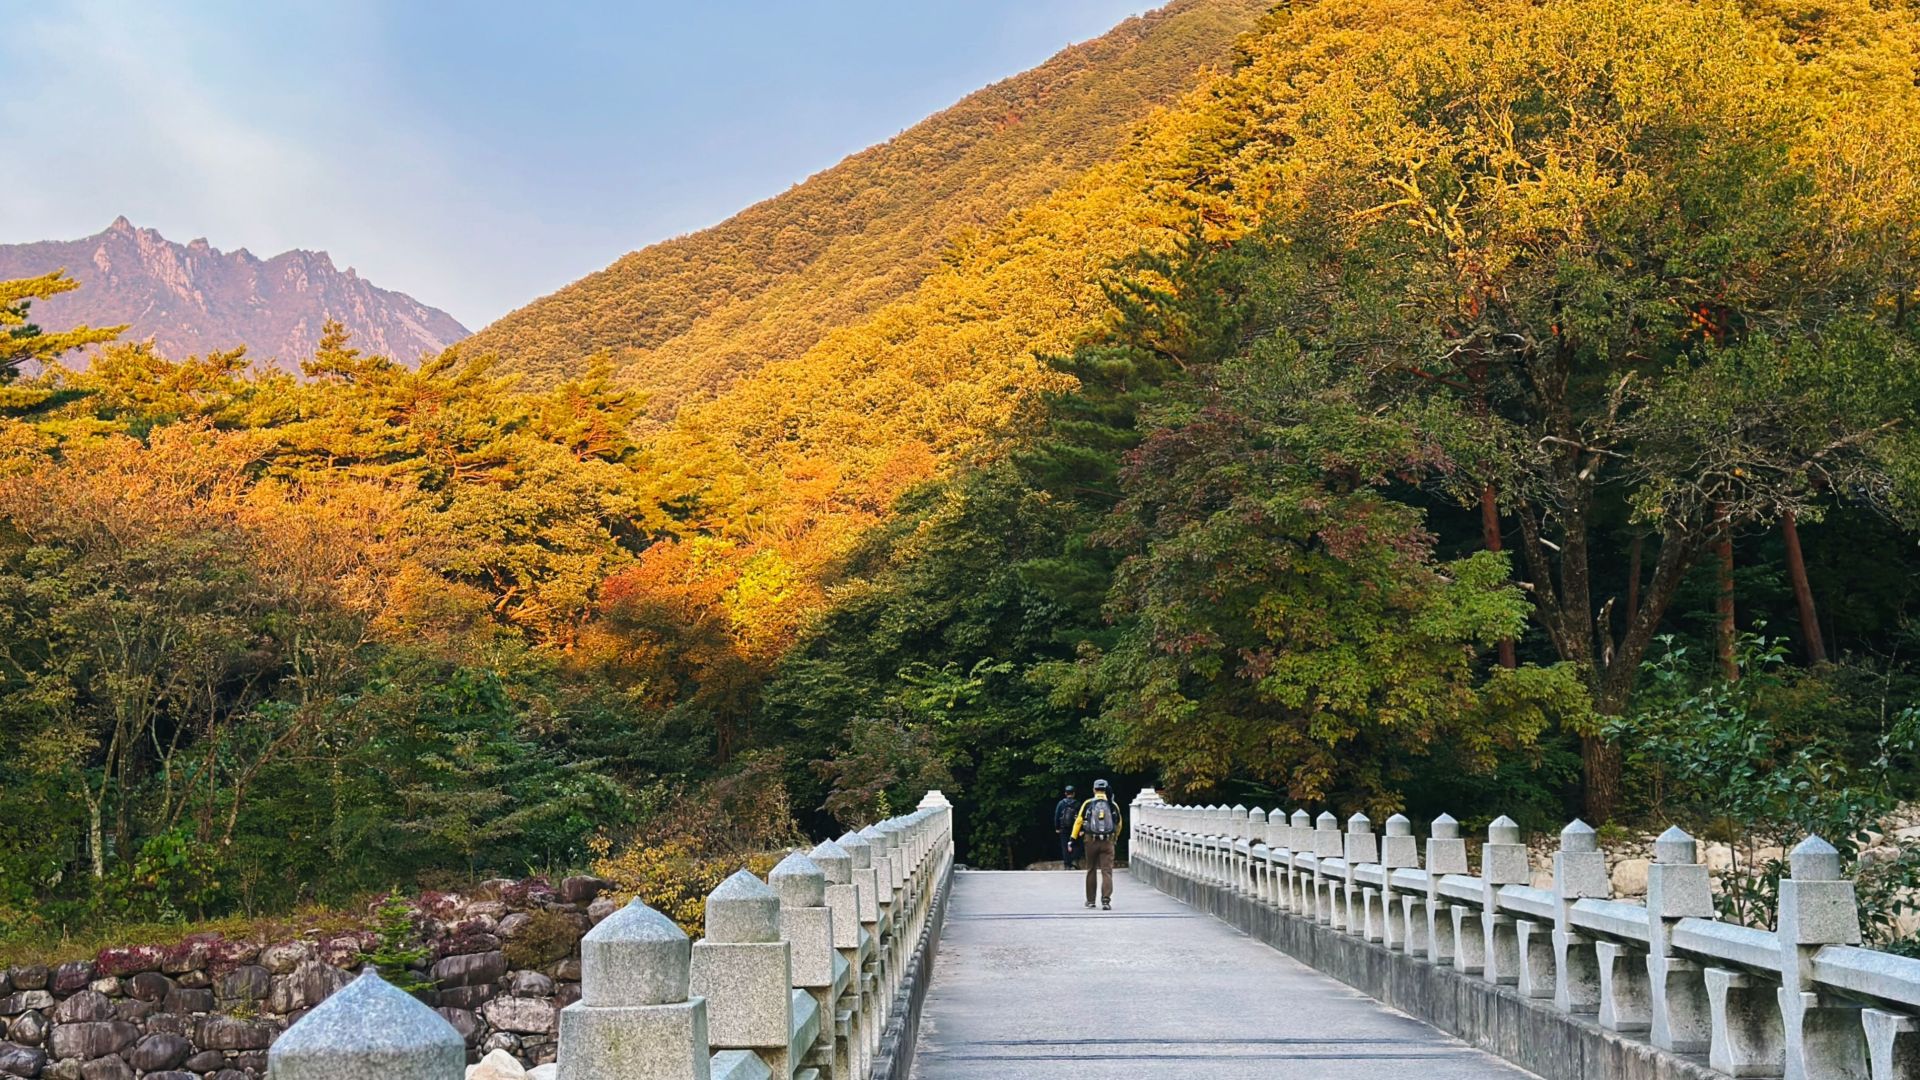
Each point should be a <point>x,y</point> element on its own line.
<point>1105,905</point>
<point>1089,903</point>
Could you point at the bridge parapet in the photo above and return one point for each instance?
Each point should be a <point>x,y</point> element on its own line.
<point>1803,1000</point>
<point>813,974</point>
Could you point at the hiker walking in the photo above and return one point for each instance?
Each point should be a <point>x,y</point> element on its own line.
<point>1063,812</point>
<point>1099,823</point>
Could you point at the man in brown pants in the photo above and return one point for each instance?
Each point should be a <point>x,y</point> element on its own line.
<point>1098,823</point>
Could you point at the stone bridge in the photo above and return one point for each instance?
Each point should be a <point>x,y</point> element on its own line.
<point>1242,945</point>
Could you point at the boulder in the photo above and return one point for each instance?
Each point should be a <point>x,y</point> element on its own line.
<point>582,888</point>
<point>29,976</point>
<point>530,984</point>
<point>109,985</point>
<point>106,1068</point>
<point>183,1000</point>
<point>232,1033</point>
<point>523,1015</point>
<point>29,1027</point>
<point>463,1021</point>
<point>71,977</point>
<point>85,1005</point>
<point>17,1060</point>
<point>467,997</point>
<point>91,1039</point>
<point>469,969</point>
<point>497,1065</point>
<point>21,1000</point>
<point>159,1052</point>
<point>205,1061</point>
<point>281,959</point>
<point>149,986</point>
<point>249,982</point>
<point>1630,877</point>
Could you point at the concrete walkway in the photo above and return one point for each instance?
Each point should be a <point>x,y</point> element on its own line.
<point>1029,985</point>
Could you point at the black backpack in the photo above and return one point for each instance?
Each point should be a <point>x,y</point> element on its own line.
<point>1063,815</point>
<point>1101,821</point>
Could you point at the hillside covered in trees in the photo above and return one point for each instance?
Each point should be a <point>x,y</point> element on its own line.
<point>684,319</point>
<point>1489,408</point>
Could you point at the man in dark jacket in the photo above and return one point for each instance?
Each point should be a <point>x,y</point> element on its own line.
<point>1063,812</point>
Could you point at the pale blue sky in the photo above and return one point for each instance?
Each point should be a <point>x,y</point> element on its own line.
<point>473,155</point>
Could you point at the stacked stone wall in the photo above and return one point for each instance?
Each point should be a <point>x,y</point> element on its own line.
<point>504,960</point>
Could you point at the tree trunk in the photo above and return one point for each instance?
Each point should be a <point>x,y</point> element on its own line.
<point>1600,764</point>
<point>1803,592</point>
<point>1633,576</point>
<point>1490,533</point>
<point>96,838</point>
<point>1723,605</point>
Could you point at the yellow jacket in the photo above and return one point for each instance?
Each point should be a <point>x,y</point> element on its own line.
<point>1080,818</point>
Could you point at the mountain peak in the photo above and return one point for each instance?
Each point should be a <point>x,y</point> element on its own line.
<point>193,299</point>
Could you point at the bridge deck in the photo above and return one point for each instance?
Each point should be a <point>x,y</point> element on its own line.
<point>1029,984</point>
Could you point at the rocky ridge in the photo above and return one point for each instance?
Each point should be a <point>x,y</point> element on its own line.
<point>193,298</point>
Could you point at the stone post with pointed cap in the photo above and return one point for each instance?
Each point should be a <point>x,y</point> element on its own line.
<point>1300,839</point>
<point>1446,854</point>
<point>886,940</point>
<point>745,971</point>
<point>1818,907</point>
<point>1678,887</point>
<point>635,1019</point>
<point>1579,872</point>
<point>1503,861</point>
<point>1328,843</point>
<point>1359,846</point>
<point>1399,850</point>
<point>1280,856</point>
<point>842,898</point>
<point>1259,862</point>
<point>806,922</point>
<point>866,879</point>
<point>369,1031</point>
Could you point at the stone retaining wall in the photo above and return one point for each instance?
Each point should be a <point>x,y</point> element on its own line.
<point>505,960</point>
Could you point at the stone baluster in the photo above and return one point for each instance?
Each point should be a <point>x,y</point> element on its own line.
<point>806,922</point>
<point>1280,858</point>
<point>1328,843</point>
<point>866,878</point>
<point>1446,854</point>
<point>886,936</point>
<point>1579,872</point>
<point>1259,860</point>
<point>1210,845</point>
<point>367,1030</point>
<point>1824,1035</point>
<point>1893,1044</point>
<point>1238,849</point>
<point>1300,839</point>
<point>745,971</point>
<point>1678,887</point>
<point>1359,847</point>
<point>849,945</point>
<point>1399,850</point>
<point>635,1019</point>
<point>1503,861</point>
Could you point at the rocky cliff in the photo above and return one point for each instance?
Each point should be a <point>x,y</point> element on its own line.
<point>194,298</point>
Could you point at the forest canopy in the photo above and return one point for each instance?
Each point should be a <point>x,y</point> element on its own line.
<point>1466,407</point>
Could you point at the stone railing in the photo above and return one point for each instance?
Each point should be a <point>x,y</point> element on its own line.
<point>813,974</point>
<point>1563,980</point>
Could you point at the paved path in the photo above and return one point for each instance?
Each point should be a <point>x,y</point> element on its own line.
<point>1031,986</point>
